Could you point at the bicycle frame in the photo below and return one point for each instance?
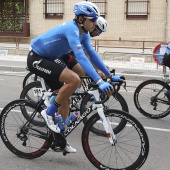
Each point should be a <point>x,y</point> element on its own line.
<point>155,97</point>
<point>97,104</point>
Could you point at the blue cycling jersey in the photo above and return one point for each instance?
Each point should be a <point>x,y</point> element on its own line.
<point>168,49</point>
<point>64,38</point>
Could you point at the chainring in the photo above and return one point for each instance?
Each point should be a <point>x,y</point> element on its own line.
<point>57,142</point>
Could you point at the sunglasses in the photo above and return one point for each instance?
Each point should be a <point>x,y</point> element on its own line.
<point>92,19</point>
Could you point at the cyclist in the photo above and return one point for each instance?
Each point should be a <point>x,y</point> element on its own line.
<point>166,57</point>
<point>99,28</point>
<point>45,59</point>
<point>166,62</point>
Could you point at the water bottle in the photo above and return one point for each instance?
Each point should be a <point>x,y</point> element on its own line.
<point>73,117</point>
<point>59,120</point>
<point>52,98</point>
<point>78,90</point>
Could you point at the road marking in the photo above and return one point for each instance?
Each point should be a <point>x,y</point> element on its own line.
<point>148,128</point>
<point>13,72</point>
<point>157,129</point>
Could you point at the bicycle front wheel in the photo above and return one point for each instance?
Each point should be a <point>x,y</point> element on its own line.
<point>113,103</point>
<point>130,150</point>
<point>150,100</point>
<point>26,141</point>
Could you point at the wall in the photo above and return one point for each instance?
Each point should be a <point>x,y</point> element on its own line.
<point>152,29</point>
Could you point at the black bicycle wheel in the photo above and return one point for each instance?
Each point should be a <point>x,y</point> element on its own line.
<point>27,143</point>
<point>130,150</point>
<point>113,103</point>
<point>33,92</point>
<point>30,77</point>
<point>146,102</point>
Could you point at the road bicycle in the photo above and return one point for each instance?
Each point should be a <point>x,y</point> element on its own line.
<point>126,150</point>
<point>34,91</point>
<point>151,100</point>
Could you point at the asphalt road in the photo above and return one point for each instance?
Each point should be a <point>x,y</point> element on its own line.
<point>158,132</point>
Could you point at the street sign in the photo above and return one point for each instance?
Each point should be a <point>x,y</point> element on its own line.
<point>158,53</point>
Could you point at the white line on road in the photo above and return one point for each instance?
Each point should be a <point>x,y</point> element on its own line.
<point>146,127</point>
<point>157,129</point>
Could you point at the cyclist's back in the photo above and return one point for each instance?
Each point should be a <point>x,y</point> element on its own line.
<point>59,40</point>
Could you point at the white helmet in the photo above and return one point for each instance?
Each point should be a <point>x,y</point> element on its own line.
<point>101,24</point>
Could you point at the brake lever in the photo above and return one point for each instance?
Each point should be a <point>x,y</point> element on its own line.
<point>124,86</point>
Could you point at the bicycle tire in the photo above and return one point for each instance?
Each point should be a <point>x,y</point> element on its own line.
<point>144,95</point>
<point>28,93</point>
<point>112,103</point>
<point>130,151</point>
<point>11,121</point>
<point>32,91</point>
<point>30,77</point>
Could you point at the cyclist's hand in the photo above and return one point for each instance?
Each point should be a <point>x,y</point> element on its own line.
<point>106,87</point>
<point>117,78</point>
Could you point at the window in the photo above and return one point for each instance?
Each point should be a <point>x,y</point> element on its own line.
<point>54,9</point>
<point>137,9</point>
<point>101,5</point>
<point>13,16</point>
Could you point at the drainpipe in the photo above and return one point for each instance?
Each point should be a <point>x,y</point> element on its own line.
<point>165,31</point>
<point>166,21</point>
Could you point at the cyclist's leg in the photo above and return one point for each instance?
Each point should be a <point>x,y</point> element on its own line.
<point>56,73</point>
<point>64,109</point>
<point>78,69</point>
<point>73,65</point>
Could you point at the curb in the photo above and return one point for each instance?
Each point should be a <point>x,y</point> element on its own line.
<point>12,68</point>
<point>134,77</point>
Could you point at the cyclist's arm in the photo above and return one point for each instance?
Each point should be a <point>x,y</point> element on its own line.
<point>168,49</point>
<point>94,57</point>
<point>74,42</point>
<point>98,71</point>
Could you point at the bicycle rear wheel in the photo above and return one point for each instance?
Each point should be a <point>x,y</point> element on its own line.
<point>113,103</point>
<point>146,102</point>
<point>33,92</point>
<point>130,150</point>
<point>28,142</point>
<point>30,77</point>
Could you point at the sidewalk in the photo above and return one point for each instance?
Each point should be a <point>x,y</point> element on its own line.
<point>122,64</point>
<point>13,62</point>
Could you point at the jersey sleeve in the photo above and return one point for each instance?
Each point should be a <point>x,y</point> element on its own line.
<point>74,42</point>
<point>94,57</point>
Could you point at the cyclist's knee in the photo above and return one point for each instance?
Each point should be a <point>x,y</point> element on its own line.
<point>75,80</point>
<point>69,77</point>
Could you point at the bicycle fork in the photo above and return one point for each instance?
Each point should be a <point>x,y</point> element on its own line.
<point>107,125</point>
<point>105,121</point>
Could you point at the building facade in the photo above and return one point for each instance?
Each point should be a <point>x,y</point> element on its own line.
<point>144,20</point>
<point>156,27</point>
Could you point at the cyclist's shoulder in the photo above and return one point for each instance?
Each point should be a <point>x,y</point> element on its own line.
<point>70,26</point>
